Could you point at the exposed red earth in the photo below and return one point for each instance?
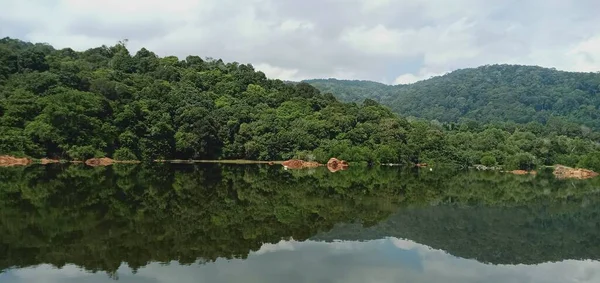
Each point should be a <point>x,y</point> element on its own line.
<point>6,161</point>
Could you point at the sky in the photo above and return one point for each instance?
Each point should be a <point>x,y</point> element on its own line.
<point>380,261</point>
<point>387,41</point>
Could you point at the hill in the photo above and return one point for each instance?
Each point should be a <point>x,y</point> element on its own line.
<point>354,90</point>
<point>493,93</point>
<point>107,102</point>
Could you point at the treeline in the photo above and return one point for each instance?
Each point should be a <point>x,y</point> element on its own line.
<point>505,93</point>
<point>107,102</point>
<point>99,218</point>
<point>104,101</point>
<point>491,93</point>
<point>512,145</point>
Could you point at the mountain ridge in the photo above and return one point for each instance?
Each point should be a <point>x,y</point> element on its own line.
<point>489,93</point>
<point>447,73</point>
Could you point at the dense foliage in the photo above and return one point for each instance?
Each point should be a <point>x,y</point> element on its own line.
<point>103,101</point>
<point>354,90</point>
<point>99,218</point>
<point>519,116</point>
<point>493,93</point>
<point>106,102</point>
<point>514,146</point>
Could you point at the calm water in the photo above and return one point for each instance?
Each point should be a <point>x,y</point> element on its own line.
<point>250,223</point>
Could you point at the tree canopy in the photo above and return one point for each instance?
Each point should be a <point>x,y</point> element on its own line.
<point>106,101</point>
<point>491,93</point>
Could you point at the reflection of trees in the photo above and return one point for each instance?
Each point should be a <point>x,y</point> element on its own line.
<point>536,233</point>
<point>98,218</point>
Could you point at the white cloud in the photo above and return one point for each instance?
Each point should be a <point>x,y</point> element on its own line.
<point>440,46</point>
<point>296,25</point>
<point>412,78</point>
<point>407,79</point>
<point>277,72</point>
<point>450,44</point>
<point>380,40</point>
<point>372,5</point>
<point>586,55</point>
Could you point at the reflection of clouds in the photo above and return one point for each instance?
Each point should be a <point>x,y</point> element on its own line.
<point>408,245</point>
<point>49,274</point>
<point>281,246</point>
<point>386,260</point>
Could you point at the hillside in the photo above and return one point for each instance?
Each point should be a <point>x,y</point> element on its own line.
<point>495,93</point>
<point>354,91</point>
<point>105,101</point>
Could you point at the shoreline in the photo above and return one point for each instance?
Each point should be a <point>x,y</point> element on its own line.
<point>12,161</point>
<point>560,171</point>
<point>26,161</point>
<point>333,164</point>
<point>227,161</point>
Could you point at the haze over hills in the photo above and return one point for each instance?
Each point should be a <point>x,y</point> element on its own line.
<point>491,93</point>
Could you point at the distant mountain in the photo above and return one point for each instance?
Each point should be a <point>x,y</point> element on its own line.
<point>354,91</point>
<point>491,93</point>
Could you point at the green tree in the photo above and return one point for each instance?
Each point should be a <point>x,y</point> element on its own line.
<point>488,160</point>
<point>591,161</point>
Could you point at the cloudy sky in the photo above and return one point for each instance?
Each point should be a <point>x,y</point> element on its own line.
<point>389,41</point>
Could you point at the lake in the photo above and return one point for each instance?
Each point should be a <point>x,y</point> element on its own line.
<point>260,223</point>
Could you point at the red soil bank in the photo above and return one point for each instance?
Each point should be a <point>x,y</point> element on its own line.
<point>564,172</point>
<point>104,161</point>
<point>45,161</point>
<point>335,165</point>
<point>6,161</point>
<point>299,164</point>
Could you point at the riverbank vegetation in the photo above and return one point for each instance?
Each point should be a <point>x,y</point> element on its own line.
<point>107,102</point>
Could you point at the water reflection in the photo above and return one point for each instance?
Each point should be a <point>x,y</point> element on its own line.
<point>384,260</point>
<point>163,223</point>
<point>528,234</point>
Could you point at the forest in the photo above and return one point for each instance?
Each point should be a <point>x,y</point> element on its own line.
<point>106,101</point>
<point>490,93</point>
<point>99,218</point>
